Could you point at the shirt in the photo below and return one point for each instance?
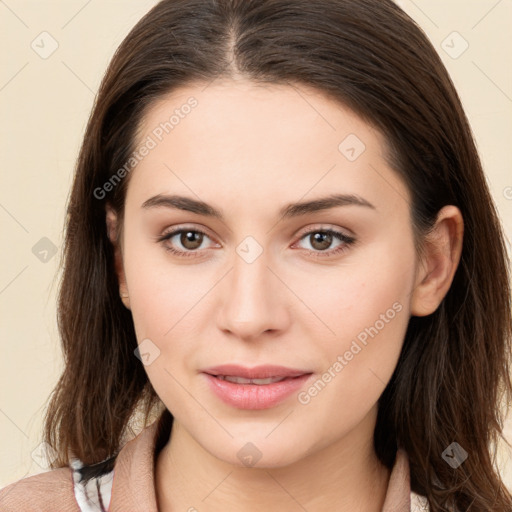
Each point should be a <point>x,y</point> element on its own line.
<point>130,486</point>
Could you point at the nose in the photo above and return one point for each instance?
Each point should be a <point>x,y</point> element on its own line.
<point>253,300</point>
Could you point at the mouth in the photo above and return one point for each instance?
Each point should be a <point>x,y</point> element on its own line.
<point>261,387</point>
<point>258,382</point>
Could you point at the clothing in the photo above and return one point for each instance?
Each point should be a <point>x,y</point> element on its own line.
<point>130,486</point>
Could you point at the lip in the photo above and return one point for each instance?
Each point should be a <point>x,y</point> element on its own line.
<point>255,396</point>
<point>256,372</point>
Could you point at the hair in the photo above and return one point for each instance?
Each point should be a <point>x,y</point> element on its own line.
<point>453,375</point>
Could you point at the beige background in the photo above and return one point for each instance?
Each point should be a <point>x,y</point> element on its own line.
<point>45,103</point>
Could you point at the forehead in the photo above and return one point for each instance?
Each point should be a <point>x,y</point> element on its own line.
<point>241,139</point>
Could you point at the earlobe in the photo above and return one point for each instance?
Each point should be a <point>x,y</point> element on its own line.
<point>112,233</point>
<point>442,251</point>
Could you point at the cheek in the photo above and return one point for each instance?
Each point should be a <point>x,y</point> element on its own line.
<point>368,309</point>
<point>351,298</point>
<point>159,300</point>
<point>161,292</point>
<point>162,300</point>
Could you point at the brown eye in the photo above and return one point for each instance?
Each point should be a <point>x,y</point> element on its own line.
<point>191,240</point>
<point>320,240</point>
<point>185,242</point>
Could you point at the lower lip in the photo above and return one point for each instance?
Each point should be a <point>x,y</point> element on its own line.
<point>254,396</point>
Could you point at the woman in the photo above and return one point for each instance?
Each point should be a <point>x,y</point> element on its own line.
<point>281,243</point>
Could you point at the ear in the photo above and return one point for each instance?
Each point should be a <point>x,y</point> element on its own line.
<point>112,231</point>
<point>442,251</point>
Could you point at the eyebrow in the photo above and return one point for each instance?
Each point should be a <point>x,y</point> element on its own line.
<point>288,211</point>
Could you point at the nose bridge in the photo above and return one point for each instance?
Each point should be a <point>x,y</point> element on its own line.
<point>251,302</point>
<point>250,279</point>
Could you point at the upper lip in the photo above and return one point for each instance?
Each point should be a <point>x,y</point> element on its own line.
<point>256,372</point>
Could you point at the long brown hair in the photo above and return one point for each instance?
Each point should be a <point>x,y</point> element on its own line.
<point>453,375</point>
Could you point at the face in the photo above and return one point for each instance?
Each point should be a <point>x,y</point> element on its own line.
<point>325,289</point>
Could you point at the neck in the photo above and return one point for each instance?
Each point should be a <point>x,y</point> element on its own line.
<point>345,476</point>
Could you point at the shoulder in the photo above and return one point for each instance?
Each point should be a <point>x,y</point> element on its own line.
<point>52,490</point>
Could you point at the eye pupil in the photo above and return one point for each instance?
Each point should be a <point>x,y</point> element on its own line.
<point>324,239</point>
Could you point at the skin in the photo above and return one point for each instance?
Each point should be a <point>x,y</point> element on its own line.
<point>248,150</point>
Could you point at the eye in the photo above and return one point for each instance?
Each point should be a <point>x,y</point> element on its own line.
<point>190,239</point>
<point>322,239</point>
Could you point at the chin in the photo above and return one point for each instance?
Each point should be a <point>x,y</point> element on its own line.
<point>257,452</point>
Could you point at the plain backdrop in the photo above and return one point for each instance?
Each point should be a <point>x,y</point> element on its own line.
<point>54,54</point>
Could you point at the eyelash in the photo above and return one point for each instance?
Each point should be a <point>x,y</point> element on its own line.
<point>347,241</point>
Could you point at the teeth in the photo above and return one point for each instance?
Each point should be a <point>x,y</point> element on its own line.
<point>242,380</point>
